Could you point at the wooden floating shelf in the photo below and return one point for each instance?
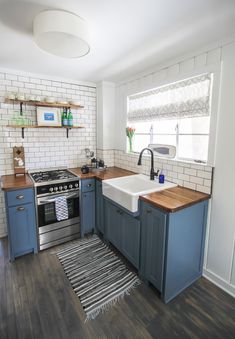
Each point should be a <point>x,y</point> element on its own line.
<point>42,104</point>
<point>35,126</point>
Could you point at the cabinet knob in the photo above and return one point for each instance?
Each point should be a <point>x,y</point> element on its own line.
<point>149,211</point>
<point>19,197</point>
<point>89,185</point>
<point>21,208</point>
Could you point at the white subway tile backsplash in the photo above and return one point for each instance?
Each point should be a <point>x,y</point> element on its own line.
<point>190,171</point>
<point>45,147</point>
<point>181,173</point>
<point>203,174</point>
<point>11,77</point>
<point>196,180</point>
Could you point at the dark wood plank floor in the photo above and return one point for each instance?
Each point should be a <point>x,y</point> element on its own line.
<point>37,301</point>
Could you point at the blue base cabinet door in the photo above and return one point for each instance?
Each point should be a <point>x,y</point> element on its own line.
<point>123,231</point>
<point>153,233</point>
<point>87,212</point>
<point>131,238</point>
<point>113,224</point>
<point>172,247</point>
<point>99,204</point>
<point>21,222</point>
<point>87,206</point>
<point>22,229</point>
<point>185,249</point>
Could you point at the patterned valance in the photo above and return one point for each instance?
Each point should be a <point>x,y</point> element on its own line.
<point>187,98</point>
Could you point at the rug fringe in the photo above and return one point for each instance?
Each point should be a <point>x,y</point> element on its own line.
<point>109,304</point>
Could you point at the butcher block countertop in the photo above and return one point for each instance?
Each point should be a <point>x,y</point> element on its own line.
<point>12,182</point>
<point>174,199</point>
<point>109,173</point>
<point>170,200</point>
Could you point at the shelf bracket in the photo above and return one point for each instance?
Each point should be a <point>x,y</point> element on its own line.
<point>21,108</point>
<point>22,132</point>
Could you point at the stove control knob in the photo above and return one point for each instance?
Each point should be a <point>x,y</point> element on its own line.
<point>76,185</point>
<point>60,188</point>
<point>70,186</point>
<point>55,188</point>
<point>65,187</point>
<point>51,189</point>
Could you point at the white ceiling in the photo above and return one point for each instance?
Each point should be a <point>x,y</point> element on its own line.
<point>127,36</point>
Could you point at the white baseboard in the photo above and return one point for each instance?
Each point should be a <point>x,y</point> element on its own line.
<point>218,281</point>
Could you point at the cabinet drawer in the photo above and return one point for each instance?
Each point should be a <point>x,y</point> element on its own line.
<point>19,197</point>
<point>87,185</point>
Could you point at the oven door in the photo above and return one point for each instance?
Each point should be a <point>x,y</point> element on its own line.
<point>46,208</point>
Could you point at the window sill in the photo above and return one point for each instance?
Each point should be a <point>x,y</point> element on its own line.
<point>170,159</point>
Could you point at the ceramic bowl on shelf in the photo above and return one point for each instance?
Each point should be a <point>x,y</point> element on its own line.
<point>20,96</point>
<point>11,96</point>
<point>74,102</point>
<point>31,98</point>
<point>62,102</point>
<point>50,100</point>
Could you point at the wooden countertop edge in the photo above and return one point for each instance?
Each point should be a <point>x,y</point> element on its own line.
<point>172,196</point>
<point>110,172</point>
<point>162,206</point>
<point>11,182</point>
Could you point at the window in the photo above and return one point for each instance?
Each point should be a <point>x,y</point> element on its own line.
<point>176,114</point>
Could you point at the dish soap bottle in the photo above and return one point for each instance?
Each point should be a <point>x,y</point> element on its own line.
<point>70,118</point>
<point>161,178</point>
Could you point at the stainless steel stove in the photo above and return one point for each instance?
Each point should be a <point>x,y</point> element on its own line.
<point>49,185</point>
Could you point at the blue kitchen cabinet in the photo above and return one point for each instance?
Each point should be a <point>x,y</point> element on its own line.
<point>113,224</point>
<point>153,233</point>
<point>123,231</point>
<point>131,238</point>
<point>99,204</point>
<point>21,217</point>
<point>87,206</point>
<point>172,247</point>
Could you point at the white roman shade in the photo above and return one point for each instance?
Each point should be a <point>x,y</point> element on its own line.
<point>187,98</point>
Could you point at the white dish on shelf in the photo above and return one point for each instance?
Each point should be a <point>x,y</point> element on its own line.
<point>49,100</point>
<point>73,102</point>
<point>62,102</point>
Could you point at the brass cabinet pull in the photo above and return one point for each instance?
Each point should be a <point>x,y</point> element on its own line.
<point>20,197</point>
<point>21,208</point>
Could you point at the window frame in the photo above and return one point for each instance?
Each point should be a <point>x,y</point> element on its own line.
<point>151,134</point>
<point>138,86</point>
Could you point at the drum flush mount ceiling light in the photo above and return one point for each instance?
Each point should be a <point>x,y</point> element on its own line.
<point>61,33</point>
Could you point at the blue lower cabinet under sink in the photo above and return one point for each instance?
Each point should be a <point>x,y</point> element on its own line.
<point>122,230</point>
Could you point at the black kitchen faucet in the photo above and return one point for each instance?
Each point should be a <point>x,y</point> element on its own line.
<point>152,173</point>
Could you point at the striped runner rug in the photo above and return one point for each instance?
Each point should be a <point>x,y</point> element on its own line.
<point>98,276</point>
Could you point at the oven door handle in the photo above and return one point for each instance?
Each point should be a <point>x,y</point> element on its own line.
<point>43,202</point>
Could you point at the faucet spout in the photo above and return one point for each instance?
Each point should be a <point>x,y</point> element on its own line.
<point>152,173</point>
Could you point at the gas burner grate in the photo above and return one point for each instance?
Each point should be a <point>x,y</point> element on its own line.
<point>52,175</point>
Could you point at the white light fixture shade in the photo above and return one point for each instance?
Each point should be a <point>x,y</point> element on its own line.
<point>61,33</point>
